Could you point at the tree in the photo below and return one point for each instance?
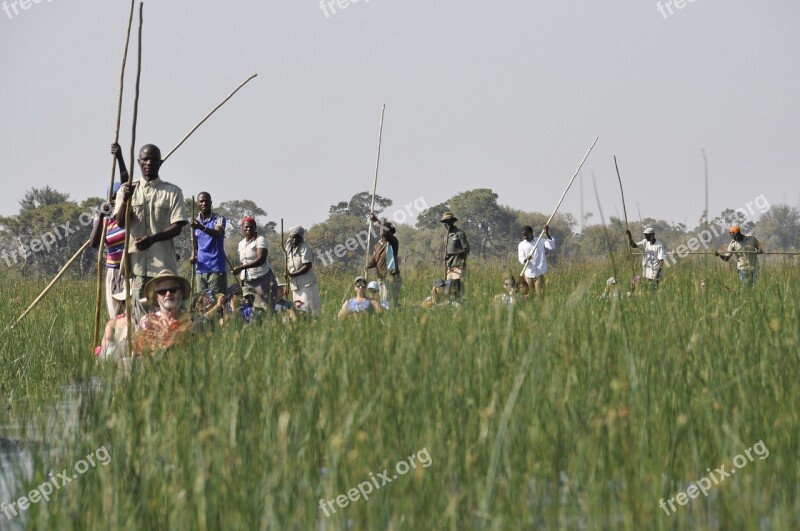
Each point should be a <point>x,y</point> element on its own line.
<point>39,197</point>
<point>236,211</point>
<point>730,217</point>
<point>44,235</point>
<point>341,241</point>
<point>779,228</point>
<point>359,205</point>
<point>490,227</point>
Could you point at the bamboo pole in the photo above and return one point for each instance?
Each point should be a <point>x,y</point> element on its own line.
<point>126,255</point>
<point>605,229</point>
<point>731,252</point>
<point>52,283</point>
<point>100,267</point>
<point>186,137</point>
<point>285,261</point>
<point>525,265</point>
<point>194,243</point>
<point>235,276</point>
<point>374,189</point>
<point>625,212</point>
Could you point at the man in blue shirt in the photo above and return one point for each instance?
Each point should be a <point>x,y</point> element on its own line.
<point>209,247</point>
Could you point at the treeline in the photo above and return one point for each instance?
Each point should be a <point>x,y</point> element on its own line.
<point>50,228</point>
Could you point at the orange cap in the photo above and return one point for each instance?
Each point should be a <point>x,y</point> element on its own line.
<point>735,229</point>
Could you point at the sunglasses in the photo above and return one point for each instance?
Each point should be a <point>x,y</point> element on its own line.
<point>360,285</point>
<point>173,289</point>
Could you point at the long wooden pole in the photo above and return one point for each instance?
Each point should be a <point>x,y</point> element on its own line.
<point>186,137</point>
<point>625,212</point>
<point>235,276</point>
<point>525,265</point>
<point>194,243</point>
<point>126,256</point>
<point>374,186</point>
<point>52,283</point>
<point>100,267</point>
<point>285,261</point>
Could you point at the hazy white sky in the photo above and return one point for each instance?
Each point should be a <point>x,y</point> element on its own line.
<point>505,95</point>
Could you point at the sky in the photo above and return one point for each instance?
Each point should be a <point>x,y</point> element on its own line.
<point>507,95</point>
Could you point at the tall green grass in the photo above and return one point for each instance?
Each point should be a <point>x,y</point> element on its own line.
<point>568,412</point>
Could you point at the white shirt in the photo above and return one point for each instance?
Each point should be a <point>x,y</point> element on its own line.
<point>537,266</point>
<point>654,253</point>
<point>248,252</point>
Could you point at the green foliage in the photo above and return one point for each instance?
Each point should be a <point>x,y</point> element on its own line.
<point>359,205</point>
<point>565,413</point>
<point>47,232</point>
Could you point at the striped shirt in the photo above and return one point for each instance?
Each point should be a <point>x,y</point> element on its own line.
<point>115,242</point>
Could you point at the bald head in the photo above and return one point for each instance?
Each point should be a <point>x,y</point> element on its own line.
<point>149,161</point>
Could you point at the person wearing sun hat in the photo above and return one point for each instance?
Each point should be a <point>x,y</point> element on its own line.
<point>169,323</point>
<point>654,253</point>
<point>455,254</point>
<point>746,249</point>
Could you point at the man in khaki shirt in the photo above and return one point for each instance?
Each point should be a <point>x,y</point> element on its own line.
<point>746,249</point>
<point>157,217</point>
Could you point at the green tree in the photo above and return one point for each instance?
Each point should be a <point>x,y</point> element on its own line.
<point>779,228</point>
<point>359,205</point>
<point>45,234</point>
<point>490,227</point>
<point>39,197</point>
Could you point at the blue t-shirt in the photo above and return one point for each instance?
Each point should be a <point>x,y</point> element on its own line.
<point>211,251</point>
<point>356,307</point>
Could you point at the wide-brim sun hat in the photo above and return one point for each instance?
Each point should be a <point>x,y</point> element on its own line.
<point>166,274</point>
<point>448,216</point>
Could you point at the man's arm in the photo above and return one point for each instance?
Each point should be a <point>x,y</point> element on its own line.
<point>122,199</point>
<point>630,239</point>
<point>462,237</point>
<point>217,232</point>
<point>123,171</point>
<point>726,255</point>
<point>173,231</point>
<point>97,230</point>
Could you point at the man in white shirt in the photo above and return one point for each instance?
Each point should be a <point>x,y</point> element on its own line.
<point>654,254</point>
<point>532,256</point>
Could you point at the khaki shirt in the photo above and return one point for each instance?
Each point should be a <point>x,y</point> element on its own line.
<point>302,254</point>
<point>155,205</point>
<point>456,241</point>
<point>748,260</point>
